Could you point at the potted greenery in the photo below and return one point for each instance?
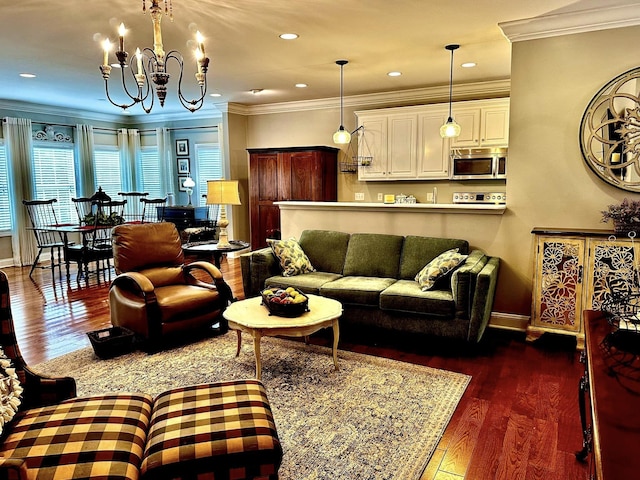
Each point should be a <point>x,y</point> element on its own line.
<point>625,216</point>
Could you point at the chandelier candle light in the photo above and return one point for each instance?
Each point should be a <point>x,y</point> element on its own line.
<point>223,193</point>
<point>152,64</point>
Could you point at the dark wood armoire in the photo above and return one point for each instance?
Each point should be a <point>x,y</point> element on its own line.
<point>290,173</point>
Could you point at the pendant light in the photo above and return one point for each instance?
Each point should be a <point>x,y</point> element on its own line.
<point>450,129</point>
<point>342,136</point>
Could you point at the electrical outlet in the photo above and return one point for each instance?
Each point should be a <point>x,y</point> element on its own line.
<point>359,196</point>
<point>430,197</point>
<point>379,197</point>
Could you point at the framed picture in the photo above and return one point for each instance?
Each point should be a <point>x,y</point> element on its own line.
<point>182,147</point>
<point>183,165</point>
<point>181,179</point>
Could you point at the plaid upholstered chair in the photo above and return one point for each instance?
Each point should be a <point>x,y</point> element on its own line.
<point>49,433</point>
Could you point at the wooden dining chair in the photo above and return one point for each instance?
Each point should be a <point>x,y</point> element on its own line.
<point>42,214</point>
<point>98,248</point>
<point>153,209</point>
<point>134,207</point>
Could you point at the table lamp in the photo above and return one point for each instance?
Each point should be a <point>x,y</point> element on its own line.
<point>188,184</point>
<point>223,193</point>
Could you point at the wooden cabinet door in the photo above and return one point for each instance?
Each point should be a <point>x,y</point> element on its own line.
<point>612,270</point>
<point>495,126</point>
<point>433,150</point>
<point>375,137</point>
<point>301,176</point>
<point>401,147</point>
<point>469,121</point>
<point>558,283</point>
<point>263,182</point>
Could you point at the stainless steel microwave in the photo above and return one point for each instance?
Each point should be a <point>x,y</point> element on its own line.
<point>478,163</point>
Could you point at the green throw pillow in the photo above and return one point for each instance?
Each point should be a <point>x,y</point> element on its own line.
<point>10,390</point>
<point>293,260</point>
<point>438,268</point>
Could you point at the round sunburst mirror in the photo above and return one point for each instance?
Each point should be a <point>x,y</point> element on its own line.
<point>610,132</point>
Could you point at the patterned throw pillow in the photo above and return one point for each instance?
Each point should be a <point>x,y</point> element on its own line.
<point>293,260</point>
<point>10,391</point>
<point>439,267</point>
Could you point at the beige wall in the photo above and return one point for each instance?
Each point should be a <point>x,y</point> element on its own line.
<point>552,82</point>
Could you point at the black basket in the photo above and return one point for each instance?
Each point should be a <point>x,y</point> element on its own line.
<point>111,342</point>
<point>290,310</point>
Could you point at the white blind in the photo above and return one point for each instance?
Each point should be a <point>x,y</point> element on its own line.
<point>54,177</point>
<point>5,212</point>
<point>151,172</point>
<point>209,167</point>
<point>107,170</point>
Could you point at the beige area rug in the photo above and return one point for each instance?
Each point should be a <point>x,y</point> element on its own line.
<point>373,419</point>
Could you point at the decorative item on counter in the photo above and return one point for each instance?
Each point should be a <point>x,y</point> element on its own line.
<point>411,199</point>
<point>625,217</point>
<point>389,198</point>
<point>401,198</point>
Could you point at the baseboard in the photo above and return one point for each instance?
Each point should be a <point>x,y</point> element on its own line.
<point>6,262</point>
<point>509,321</point>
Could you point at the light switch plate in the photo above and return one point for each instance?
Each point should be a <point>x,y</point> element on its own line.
<point>359,196</point>
<point>379,197</point>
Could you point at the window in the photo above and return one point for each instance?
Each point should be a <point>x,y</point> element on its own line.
<point>107,167</point>
<point>54,177</point>
<point>5,210</point>
<point>208,167</point>
<point>151,172</point>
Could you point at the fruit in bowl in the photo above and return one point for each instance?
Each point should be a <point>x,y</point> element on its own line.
<point>285,302</point>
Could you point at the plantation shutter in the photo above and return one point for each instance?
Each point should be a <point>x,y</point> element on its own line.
<point>5,210</point>
<point>107,168</point>
<point>54,177</point>
<point>209,167</point>
<point>151,173</point>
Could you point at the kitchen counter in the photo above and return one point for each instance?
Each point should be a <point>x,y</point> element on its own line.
<point>451,208</point>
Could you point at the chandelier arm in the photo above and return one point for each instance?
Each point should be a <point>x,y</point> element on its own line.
<point>194,104</point>
<point>124,106</point>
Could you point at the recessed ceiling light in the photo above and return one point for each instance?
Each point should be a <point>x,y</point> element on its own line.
<point>394,74</point>
<point>256,91</point>
<point>301,85</point>
<point>289,36</point>
<point>27,75</point>
<point>468,65</point>
<point>215,94</point>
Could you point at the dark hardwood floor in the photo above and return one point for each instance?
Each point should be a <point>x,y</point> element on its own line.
<point>517,420</point>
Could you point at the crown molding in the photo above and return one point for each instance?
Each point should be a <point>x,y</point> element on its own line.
<point>571,22</point>
<point>465,91</point>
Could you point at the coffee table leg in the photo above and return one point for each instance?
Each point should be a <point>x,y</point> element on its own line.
<point>256,349</point>
<point>239,342</point>
<point>336,337</point>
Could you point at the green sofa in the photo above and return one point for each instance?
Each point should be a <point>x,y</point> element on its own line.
<point>373,276</point>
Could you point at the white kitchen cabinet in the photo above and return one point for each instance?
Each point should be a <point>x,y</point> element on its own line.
<point>574,271</point>
<point>405,144</point>
<point>483,123</point>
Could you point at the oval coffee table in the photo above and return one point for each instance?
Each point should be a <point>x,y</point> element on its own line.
<point>252,317</point>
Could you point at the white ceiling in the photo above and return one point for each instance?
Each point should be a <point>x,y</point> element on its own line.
<point>59,41</point>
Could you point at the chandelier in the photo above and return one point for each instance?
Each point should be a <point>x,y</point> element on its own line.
<point>151,66</point>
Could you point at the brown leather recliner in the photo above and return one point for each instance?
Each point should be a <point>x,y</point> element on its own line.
<point>155,294</point>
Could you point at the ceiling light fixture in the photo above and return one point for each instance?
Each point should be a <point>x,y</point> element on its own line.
<point>468,65</point>
<point>256,91</point>
<point>289,36</point>
<point>301,85</point>
<point>450,129</point>
<point>27,75</point>
<point>394,74</point>
<point>152,65</point>
<point>342,136</point>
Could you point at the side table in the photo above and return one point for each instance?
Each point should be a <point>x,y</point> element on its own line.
<point>210,250</point>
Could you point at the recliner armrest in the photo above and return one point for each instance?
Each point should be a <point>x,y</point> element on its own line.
<point>256,267</point>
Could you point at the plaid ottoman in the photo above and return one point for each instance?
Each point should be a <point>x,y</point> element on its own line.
<point>94,437</point>
<point>221,431</point>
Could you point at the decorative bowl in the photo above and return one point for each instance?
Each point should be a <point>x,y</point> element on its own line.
<point>285,302</point>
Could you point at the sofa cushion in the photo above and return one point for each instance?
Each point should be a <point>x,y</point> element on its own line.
<point>94,437</point>
<point>438,268</point>
<point>373,255</point>
<point>356,290</point>
<point>326,249</point>
<point>418,251</point>
<point>10,390</point>
<point>407,296</point>
<point>293,260</point>
<point>306,283</point>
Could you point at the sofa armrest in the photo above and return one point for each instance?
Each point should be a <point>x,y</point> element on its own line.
<point>463,282</point>
<point>483,299</point>
<point>256,267</point>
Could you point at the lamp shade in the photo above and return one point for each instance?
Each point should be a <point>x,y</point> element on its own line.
<point>450,129</point>
<point>342,136</point>
<point>223,192</point>
<point>188,183</point>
